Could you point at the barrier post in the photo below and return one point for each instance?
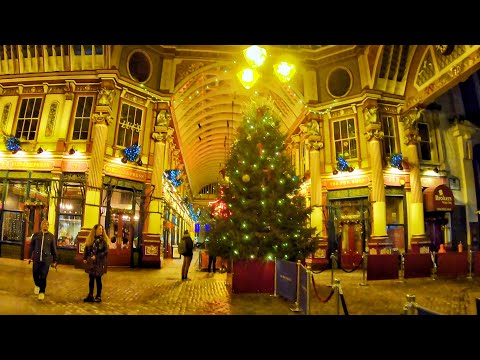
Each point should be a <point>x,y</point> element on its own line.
<point>410,307</point>
<point>296,308</point>
<point>364,268</point>
<point>470,259</point>
<point>434,269</point>
<point>334,262</point>
<point>401,278</point>
<point>337,294</point>
<point>309,278</point>
<point>275,280</point>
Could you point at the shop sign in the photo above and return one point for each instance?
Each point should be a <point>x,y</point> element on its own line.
<point>25,164</point>
<point>124,172</point>
<point>439,198</point>
<point>348,182</point>
<point>74,166</point>
<point>395,180</point>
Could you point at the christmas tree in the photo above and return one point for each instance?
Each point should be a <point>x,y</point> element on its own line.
<point>260,214</point>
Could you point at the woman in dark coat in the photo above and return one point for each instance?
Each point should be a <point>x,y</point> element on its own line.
<point>95,258</point>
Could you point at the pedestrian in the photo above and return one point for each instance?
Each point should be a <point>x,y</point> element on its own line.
<point>43,253</point>
<point>187,254</point>
<point>212,259</point>
<point>95,258</point>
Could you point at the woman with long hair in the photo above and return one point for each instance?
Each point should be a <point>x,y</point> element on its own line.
<point>95,258</point>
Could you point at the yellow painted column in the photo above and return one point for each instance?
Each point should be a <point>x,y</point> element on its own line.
<point>378,242</point>
<point>155,222</point>
<point>315,144</point>
<point>296,152</point>
<point>101,119</point>
<point>418,242</point>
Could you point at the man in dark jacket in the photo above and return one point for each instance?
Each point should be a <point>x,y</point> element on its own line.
<point>187,254</point>
<point>42,251</point>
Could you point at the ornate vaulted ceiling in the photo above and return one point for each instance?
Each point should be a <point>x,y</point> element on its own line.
<point>207,97</point>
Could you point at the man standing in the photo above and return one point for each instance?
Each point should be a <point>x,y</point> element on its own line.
<point>42,251</point>
<point>187,254</point>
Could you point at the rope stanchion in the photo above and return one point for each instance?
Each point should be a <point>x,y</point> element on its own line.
<point>401,278</point>
<point>309,275</point>
<point>275,280</point>
<point>364,268</point>
<point>470,259</point>
<point>333,258</point>
<point>337,293</point>
<point>352,270</point>
<point>434,268</point>
<point>410,307</point>
<point>296,308</point>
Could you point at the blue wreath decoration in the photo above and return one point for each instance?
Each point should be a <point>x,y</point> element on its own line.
<point>12,143</point>
<point>132,152</point>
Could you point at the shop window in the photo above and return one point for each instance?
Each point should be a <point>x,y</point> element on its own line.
<point>129,125</point>
<point>70,214</point>
<point>82,119</point>
<point>425,148</point>
<point>345,140</point>
<point>388,128</point>
<point>28,119</point>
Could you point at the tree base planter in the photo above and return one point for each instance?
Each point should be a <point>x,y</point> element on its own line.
<point>252,276</point>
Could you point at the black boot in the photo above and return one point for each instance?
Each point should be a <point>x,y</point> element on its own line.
<point>98,299</point>
<point>89,298</point>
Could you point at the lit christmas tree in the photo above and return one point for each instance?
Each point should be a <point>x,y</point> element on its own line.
<point>265,217</point>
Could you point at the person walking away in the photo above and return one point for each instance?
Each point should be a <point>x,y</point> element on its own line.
<point>95,257</point>
<point>43,253</point>
<point>212,259</point>
<point>187,254</point>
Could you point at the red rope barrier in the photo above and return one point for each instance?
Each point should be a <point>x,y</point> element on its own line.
<point>316,293</point>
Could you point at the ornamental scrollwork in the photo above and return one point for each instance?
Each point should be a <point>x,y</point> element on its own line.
<point>374,134</point>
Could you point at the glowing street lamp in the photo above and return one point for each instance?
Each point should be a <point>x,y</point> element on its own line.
<point>284,71</point>
<point>255,56</point>
<point>248,77</point>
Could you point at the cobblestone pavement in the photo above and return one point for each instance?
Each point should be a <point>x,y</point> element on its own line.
<point>128,291</point>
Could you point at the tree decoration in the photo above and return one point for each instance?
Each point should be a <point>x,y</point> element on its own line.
<point>131,153</point>
<point>12,143</point>
<point>266,217</point>
<point>246,178</point>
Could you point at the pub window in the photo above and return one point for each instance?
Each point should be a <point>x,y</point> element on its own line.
<point>83,114</point>
<point>424,144</point>
<point>345,141</point>
<point>395,221</point>
<point>129,125</point>
<point>28,119</point>
<point>70,213</point>
<point>388,127</point>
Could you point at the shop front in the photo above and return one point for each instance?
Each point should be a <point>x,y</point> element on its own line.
<point>349,225</point>
<point>439,203</point>
<point>25,200</point>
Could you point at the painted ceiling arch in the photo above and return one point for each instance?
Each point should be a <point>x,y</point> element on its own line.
<point>208,102</point>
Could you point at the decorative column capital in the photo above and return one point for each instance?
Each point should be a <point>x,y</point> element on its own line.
<point>312,127</point>
<point>370,114</point>
<point>411,136</point>
<point>102,118</point>
<point>411,117</point>
<point>314,142</point>
<point>374,132</point>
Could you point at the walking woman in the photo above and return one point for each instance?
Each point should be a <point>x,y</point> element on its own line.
<point>95,258</point>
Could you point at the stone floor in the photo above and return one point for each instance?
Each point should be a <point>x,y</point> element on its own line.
<point>128,291</point>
